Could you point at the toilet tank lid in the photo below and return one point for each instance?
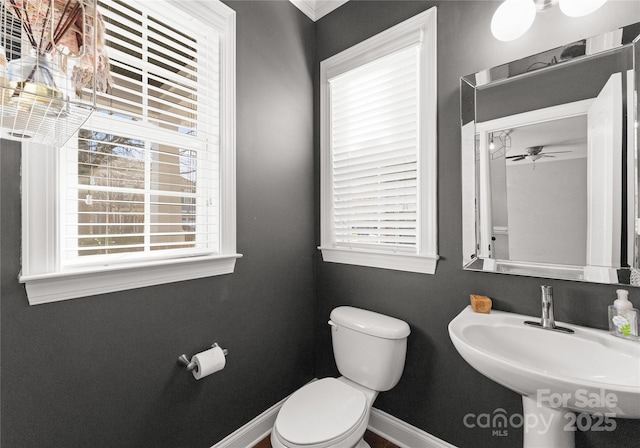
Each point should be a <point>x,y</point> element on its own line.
<point>369,322</point>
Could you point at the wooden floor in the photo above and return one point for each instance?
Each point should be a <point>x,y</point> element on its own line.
<point>371,438</point>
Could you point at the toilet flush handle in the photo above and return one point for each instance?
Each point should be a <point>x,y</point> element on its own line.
<point>333,324</point>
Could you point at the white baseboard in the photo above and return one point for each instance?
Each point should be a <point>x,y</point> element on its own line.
<point>402,433</point>
<point>391,428</point>
<point>254,431</point>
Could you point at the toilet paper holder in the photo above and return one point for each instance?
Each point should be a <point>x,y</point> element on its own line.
<point>184,361</point>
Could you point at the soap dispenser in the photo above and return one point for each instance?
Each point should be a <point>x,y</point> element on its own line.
<point>623,318</point>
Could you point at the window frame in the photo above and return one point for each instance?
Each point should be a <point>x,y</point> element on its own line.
<point>47,281</point>
<point>418,30</point>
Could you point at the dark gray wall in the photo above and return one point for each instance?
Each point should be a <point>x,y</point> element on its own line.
<point>101,371</point>
<point>438,388</point>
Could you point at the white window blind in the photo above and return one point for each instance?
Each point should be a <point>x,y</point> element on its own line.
<point>378,142</point>
<point>374,131</point>
<point>141,178</point>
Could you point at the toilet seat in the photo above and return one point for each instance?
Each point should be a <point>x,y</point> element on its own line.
<point>327,410</point>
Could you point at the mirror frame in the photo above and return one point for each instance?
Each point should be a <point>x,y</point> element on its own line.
<point>475,225</point>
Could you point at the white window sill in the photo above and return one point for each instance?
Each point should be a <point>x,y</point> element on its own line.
<point>422,264</point>
<point>104,279</point>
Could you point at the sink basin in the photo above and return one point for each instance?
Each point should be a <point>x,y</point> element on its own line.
<point>588,371</point>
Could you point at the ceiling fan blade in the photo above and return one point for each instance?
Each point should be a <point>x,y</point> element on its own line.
<point>520,156</point>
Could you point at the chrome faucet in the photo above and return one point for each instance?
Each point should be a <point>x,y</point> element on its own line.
<point>547,307</point>
<point>548,322</point>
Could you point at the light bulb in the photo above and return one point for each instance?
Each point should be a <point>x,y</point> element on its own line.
<point>579,8</point>
<point>512,19</point>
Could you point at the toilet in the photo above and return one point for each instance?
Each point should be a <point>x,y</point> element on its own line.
<point>369,349</point>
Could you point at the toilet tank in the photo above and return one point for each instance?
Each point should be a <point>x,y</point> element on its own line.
<point>369,348</point>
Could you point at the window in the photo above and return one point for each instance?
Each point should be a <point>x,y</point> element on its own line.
<point>144,193</point>
<point>378,150</point>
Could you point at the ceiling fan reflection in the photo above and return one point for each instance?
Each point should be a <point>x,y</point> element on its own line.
<point>533,153</point>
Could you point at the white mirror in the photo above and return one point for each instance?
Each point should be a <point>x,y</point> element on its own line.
<point>549,163</point>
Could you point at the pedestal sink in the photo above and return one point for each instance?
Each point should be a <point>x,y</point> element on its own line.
<point>557,374</point>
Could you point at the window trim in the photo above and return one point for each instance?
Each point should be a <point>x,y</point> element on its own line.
<point>40,192</point>
<point>65,285</point>
<point>420,29</point>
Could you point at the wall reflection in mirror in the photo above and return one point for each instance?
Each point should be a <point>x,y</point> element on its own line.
<point>549,163</point>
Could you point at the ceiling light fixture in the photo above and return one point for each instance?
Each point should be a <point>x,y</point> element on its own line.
<point>579,8</point>
<point>514,17</point>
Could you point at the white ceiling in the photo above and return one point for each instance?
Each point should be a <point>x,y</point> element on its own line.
<point>316,9</point>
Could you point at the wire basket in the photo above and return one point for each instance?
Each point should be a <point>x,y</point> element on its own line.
<point>51,63</point>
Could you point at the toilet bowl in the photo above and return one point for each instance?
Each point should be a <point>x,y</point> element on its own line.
<point>370,350</point>
<point>331,412</point>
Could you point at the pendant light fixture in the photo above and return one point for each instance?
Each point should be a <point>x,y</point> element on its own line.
<point>52,64</point>
<point>514,17</point>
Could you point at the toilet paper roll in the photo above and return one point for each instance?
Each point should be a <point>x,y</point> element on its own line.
<point>208,362</point>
